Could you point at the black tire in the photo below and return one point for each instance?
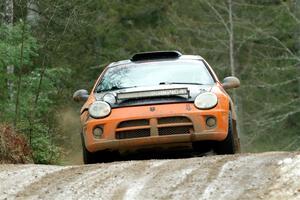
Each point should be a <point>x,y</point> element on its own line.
<point>99,156</point>
<point>88,157</point>
<point>227,146</point>
<point>202,146</point>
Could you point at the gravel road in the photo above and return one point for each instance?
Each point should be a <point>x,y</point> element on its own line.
<point>272,175</point>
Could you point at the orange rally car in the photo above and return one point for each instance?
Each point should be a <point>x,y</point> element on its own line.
<point>157,99</point>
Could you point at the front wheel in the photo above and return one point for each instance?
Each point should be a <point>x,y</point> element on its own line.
<point>99,156</point>
<point>202,146</point>
<point>88,157</point>
<point>227,146</point>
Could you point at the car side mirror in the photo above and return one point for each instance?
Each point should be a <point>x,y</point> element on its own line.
<point>231,82</point>
<point>80,95</point>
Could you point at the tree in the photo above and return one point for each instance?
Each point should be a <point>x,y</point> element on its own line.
<point>9,19</point>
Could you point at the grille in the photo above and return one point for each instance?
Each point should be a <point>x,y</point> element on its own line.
<point>164,126</point>
<point>175,130</point>
<point>140,122</point>
<point>133,133</point>
<point>171,120</point>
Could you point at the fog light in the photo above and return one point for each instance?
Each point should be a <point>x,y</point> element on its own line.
<point>98,131</point>
<point>211,121</point>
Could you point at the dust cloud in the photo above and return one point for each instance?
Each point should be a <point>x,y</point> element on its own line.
<point>69,127</point>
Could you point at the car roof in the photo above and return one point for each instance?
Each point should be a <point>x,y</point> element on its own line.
<point>180,58</point>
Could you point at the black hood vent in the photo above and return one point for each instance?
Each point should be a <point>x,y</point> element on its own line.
<point>155,55</point>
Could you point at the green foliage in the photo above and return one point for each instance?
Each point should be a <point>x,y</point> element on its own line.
<point>71,41</point>
<point>42,144</point>
<point>265,42</point>
<point>36,114</point>
<point>11,39</point>
<point>38,90</point>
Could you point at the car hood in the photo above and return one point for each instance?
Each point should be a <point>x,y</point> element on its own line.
<point>193,90</point>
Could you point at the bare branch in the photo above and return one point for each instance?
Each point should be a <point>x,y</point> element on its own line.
<point>221,19</point>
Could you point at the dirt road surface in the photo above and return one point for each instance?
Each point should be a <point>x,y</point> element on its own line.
<point>272,175</point>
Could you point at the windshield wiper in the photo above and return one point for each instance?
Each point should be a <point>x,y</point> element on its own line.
<point>186,83</point>
<point>115,88</point>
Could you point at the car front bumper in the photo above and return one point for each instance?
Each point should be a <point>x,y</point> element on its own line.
<point>157,131</point>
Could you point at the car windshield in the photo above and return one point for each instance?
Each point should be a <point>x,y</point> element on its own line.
<point>155,73</point>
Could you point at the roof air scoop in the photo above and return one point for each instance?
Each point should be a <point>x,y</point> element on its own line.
<point>155,55</point>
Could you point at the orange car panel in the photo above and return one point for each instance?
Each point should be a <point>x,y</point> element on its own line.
<point>194,122</point>
<point>152,113</point>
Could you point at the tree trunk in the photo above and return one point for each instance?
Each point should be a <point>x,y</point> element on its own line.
<point>237,103</point>
<point>32,13</point>
<point>9,12</point>
<point>8,20</point>
<point>231,39</point>
<point>19,77</point>
<point>297,13</point>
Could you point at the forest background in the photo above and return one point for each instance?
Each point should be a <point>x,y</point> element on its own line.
<point>50,48</point>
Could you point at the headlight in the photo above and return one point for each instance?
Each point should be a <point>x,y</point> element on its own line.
<point>109,98</point>
<point>99,109</point>
<point>206,100</point>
